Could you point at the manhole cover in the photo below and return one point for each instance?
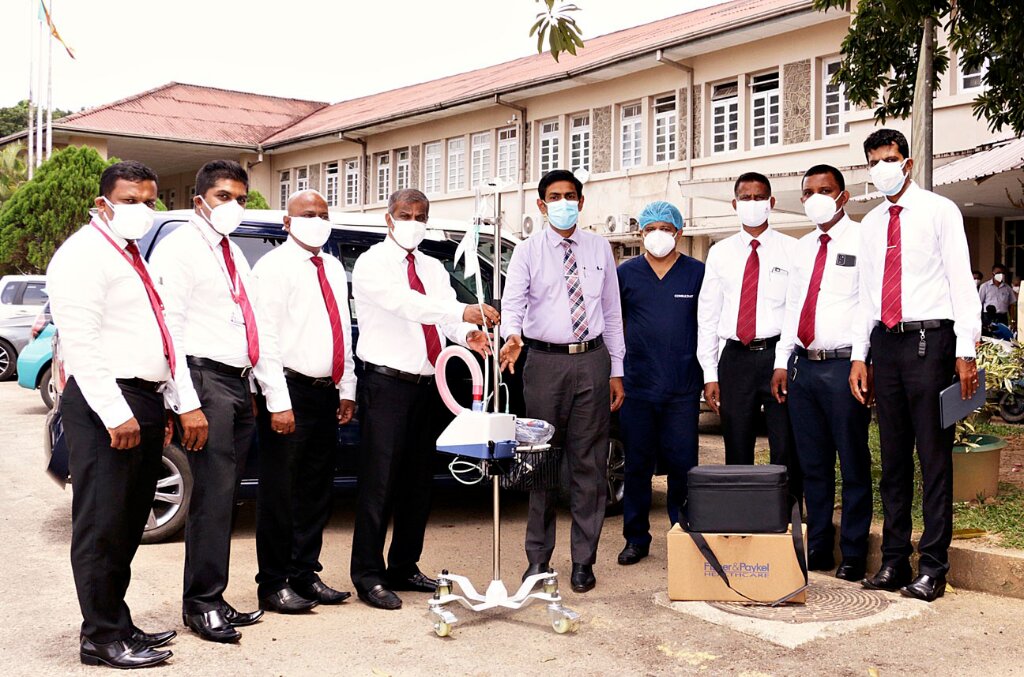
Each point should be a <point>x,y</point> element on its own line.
<point>824,604</point>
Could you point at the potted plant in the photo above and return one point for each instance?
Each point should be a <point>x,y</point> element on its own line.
<point>976,456</point>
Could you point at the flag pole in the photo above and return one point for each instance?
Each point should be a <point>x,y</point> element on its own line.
<point>31,94</point>
<point>49,89</point>
<point>39,109</point>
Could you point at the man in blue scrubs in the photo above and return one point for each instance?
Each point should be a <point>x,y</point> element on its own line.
<point>659,293</point>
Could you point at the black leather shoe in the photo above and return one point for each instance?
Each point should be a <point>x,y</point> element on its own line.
<point>124,654</point>
<point>536,568</point>
<point>152,640</point>
<point>238,618</point>
<point>320,592</point>
<point>819,560</point>
<point>888,578</point>
<point>286,601</point>
<point>380,597</point>
<point>415,583</point>
<point>582,578</point>
<point>212,626</point>
<point>851,569</point>
<point>633,553</point>
<point>925,587</point>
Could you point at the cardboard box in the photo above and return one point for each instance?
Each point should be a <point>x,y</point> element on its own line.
<point>763,567</point>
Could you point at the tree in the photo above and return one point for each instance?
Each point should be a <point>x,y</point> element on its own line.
<point>557,24</point>
<point>47,209</point>
<point>880,54</point>
<point>256,200</point>
<point>15,118</point>
<point>13,171</point>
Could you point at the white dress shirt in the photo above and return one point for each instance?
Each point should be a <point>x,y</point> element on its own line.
<point>294,314</point>
<point>106,323</point>
<point>391,315</point>
<point>937,280</point>
<point>719,302</point>
<point>1002,296</point>
<point>837,315</point>
<point>202,316</point>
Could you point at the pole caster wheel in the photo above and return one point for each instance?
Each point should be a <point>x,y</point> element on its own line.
<point>442,629</point>
<point>564,620</point>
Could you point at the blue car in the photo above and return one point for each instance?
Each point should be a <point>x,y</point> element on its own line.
<point>353,234</point>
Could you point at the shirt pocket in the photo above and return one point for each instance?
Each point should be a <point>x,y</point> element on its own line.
<point>592,280</point>
<point>778,283</point>
<point>843,280</point>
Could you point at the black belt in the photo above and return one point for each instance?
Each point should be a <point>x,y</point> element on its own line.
<point>903,327</point>
<point>141,384</point>
<point>820,355</point>
<point>756,344</point>
<point>322,382</point>
<point>219,367</point>
<point>565,348</point>
<point>395,373</point>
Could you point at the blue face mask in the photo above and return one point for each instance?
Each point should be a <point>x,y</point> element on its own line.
<point>562,214</point>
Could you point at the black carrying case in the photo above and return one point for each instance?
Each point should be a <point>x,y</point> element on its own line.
<point>743,499</point>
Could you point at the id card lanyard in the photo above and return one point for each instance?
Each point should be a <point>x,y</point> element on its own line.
<point>233,284</point>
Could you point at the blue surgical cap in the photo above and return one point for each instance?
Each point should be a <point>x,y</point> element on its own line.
<point>661,211</point>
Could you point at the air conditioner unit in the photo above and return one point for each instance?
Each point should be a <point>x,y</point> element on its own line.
<point>627,224</point>
<point>611,225</point>
<point>527,225</point>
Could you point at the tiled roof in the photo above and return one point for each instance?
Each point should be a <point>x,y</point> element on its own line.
<point>195,113</point>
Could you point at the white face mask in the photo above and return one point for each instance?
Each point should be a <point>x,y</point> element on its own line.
<point>311,231</point>
<point>888,177</point>
<point>998,277</point>
<point>658,243</point>
<point>131,221</point>
<point>225,218</point>
<point>820,208</point>
<point>408,234</point>
<point>753,213</point>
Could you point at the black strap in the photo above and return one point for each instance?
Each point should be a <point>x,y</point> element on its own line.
<point>798,546</point>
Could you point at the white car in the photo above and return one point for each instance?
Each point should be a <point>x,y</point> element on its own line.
<point>22,295</point>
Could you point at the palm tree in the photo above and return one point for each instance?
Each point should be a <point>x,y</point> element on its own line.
<point>13,172</point>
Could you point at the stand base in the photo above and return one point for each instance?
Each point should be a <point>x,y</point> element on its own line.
<point>542,587</point>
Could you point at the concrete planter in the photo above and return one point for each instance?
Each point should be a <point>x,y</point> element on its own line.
<point>976,468</point>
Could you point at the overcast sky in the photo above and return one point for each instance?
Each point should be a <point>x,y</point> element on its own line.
<point>326,50</point>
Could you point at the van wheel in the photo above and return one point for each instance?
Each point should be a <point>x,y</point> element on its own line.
<point>47,388</point>
<point>170,502</point>
<point>8,360</point>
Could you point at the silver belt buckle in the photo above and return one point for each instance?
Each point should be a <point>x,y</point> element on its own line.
<point>575,348</point>
<point>816,355</point>
<point>245,372</point>
<point>758,344</point>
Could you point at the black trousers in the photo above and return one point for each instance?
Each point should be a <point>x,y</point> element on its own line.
<point>827,420</point>
<point>400,422</point>
<point>571,392</point>
<point>744,379</point>
<point>907,390</point>
<point>296,479</point>
<point>216,472</point>
<point>113,495</point>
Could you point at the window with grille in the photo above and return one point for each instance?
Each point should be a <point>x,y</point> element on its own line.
<point>549,146</point>
<point>835,105</point>
<point>579,142</point>
<point>432,167</point>
<point>508,154</point>
<point>301,179</point>
<point>480,161</point>
<point>383,176</point>
<point>331,183</point>
<point>972,78</point>
<point>456,163</point>
<point>631,135</point>
<point>665,121</point>
<point>351,183</point>
<point>284,189</point>
<point>725,118</point>
<point>402,169</point>
<point>766,110</point>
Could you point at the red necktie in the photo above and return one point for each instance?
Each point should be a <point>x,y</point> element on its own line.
<point>154,302</point>
<point>242,299</point>
<point>805,332</point>
<point>892,277</point>
<point>429,330</point>
<point>338,365</point>
<point>746,320</point>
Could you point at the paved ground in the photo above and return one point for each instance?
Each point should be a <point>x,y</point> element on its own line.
<point>624,631</point>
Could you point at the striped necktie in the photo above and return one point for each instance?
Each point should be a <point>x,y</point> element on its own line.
<point>577,307</point>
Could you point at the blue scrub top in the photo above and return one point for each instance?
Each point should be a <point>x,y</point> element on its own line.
<point>660,322</point>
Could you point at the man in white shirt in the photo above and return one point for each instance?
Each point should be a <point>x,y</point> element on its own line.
<point>822,313</point>
<point>303,302</point>
<point>211,313</point>
<point>118,357</point>
<point>922,314</point>
<point>741,305</point>
<point>998,294</point>
<point>404,301</point>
